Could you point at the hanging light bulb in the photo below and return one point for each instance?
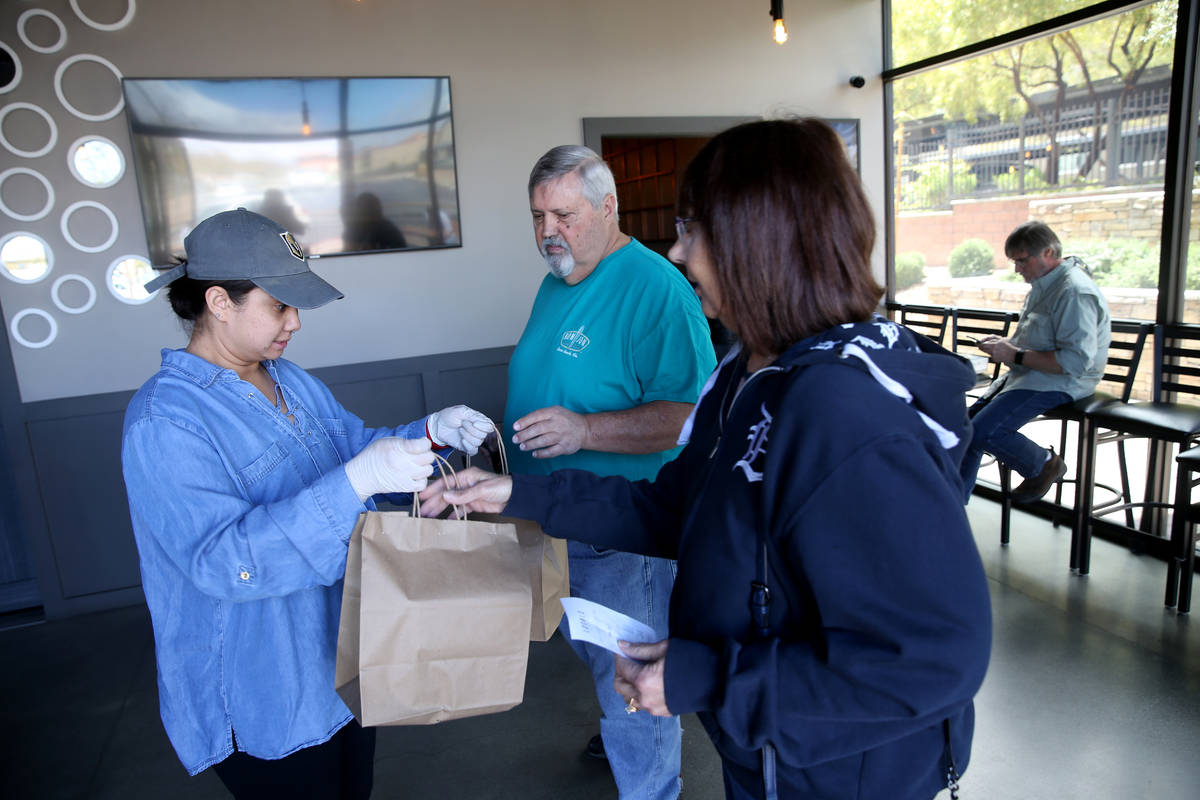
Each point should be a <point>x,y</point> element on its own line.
<point>305,128</point>
<point>780,30</point>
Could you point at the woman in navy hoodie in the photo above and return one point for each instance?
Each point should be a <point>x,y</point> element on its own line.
<point>830,622</point>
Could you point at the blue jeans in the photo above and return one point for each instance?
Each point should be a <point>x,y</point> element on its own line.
<point>996,422</point>
<point>643,750</point>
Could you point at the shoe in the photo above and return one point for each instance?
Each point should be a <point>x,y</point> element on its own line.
<point>1033,488</point>
<point>595,748</point>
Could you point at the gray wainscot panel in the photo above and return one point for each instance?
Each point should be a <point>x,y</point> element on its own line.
<point>75,449</point>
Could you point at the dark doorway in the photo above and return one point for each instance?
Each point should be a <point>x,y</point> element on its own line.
<point>648,156</point>
<point>648,171</point>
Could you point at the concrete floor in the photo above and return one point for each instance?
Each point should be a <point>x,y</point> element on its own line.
<point>1093,693</point>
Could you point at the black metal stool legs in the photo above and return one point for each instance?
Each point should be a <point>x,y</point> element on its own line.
<point>1081,529</point>
<point>1180,528</point>
<point>1005,501</point>
<point>1186,569</point>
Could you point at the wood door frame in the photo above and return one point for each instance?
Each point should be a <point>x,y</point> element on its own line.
<point>596,128</point>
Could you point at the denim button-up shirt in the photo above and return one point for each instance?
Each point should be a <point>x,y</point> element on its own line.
<point>1065,312</point>
<point>242,520</point>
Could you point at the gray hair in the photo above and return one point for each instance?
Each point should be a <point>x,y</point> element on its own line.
<point>595,177</point>
<point>1033,237</point>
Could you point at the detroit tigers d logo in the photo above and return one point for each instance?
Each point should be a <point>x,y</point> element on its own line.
<point>758,440</point>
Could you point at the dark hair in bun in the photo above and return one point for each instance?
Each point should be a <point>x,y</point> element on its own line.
<point>186,295</point>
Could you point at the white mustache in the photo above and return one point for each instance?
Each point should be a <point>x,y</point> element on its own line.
<point>554,241</point>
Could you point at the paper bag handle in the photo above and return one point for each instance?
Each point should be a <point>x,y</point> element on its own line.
<point>500,445</point>
<point>459,511</point>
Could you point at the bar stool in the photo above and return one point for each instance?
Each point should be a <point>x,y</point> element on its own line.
<point>1120,373</point>
<point>1166,421</point>
<point>929,321</point>
<point>1182,561</point>
<point>968,326</point>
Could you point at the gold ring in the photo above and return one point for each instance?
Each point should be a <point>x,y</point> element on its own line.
<point>631,707</point>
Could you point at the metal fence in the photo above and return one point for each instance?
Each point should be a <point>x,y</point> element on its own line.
<point>1113,141</point>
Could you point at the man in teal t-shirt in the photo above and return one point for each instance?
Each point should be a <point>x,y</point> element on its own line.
<point>610,364</point>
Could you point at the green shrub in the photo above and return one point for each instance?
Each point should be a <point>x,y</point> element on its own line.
<point>1121,263</point>
<point>1131,263</point>
<point>1136,275</point>
<point>1034,180</point>
<point>929,187</point>
<point>910,270</point>
<point>972,257</point>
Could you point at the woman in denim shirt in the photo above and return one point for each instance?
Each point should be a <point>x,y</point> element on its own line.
<point>245,479</point>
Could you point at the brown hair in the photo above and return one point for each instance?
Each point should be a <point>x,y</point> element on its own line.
<point>1033,237</point>
<point>788,228</point>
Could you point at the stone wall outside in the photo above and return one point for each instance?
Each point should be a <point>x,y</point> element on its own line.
<point>1098,215</point>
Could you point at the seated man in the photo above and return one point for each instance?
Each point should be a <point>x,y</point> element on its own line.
<point>1057,355</point>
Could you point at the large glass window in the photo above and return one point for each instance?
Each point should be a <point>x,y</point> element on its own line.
<point>1068,128</point>
<point>1191,311</point>
<point>925,28</point>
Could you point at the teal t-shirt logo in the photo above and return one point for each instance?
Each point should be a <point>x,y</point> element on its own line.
<point>573,342</point>
<point>631,333</point>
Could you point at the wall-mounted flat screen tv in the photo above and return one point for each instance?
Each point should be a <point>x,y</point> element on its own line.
<point>348,165</point>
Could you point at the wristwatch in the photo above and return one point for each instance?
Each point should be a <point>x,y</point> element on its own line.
<point>1019,358</point>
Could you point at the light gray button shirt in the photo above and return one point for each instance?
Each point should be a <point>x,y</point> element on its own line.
<point>1066,312</point>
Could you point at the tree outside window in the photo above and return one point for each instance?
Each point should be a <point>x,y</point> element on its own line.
<point>1069,128</point>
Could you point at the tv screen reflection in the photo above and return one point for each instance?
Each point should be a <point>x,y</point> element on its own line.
<point>348,165</point>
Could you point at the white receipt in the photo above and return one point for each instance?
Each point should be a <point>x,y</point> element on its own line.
<point>602,626</point>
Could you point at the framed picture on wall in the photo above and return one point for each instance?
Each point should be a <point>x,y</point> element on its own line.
<point>848,130</point>
<point>347,165</point>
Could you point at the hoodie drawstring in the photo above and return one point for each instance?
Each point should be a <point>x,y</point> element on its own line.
<point>947,438</point>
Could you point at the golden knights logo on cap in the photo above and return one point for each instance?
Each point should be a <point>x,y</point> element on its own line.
<point>292,244</point>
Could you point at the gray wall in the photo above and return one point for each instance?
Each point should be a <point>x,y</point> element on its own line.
<point>87,557</point>
<point>523,75</point>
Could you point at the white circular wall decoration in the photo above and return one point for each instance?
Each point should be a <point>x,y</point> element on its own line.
<point>95,161</point>
<point>79,309</point>
<point>58,90</point>
<point>105,26</point>
<point>15,327</point>
<point>12,148</point>
<point>65,226</point>
<point>43,211</point>
<point>16,78</point>
<point>25,257</point>
<point>23,21</point>
<point>127,277</point>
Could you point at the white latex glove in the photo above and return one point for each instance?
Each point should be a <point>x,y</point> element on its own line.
<point>390,464</point>
<point>459,427</point>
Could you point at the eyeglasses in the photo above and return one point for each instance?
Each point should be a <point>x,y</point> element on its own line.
<point>1020,261</point>
<point>681,224</point>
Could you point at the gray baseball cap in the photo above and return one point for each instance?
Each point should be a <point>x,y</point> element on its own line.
<point>241,245</point>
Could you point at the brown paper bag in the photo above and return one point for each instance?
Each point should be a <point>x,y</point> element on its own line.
<point>549,578</point>
<point>546,559</point>
<point>435,620</point>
